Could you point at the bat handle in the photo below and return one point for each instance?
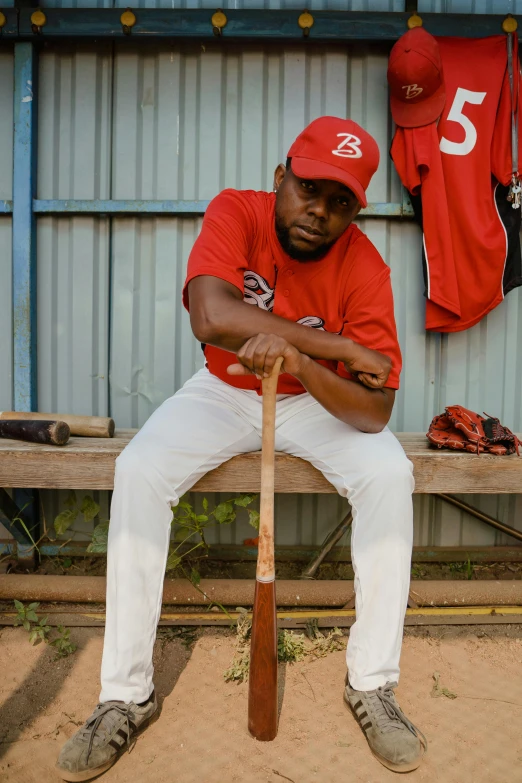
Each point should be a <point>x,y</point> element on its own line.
<point>265,571</point>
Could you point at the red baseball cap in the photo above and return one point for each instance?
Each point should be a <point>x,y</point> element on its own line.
<point>417,93</point>
<point>333,148</point>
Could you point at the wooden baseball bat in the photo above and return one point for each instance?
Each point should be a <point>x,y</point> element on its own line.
<point>262,678</point>
<point>88,426</point>
<point>55,433</point>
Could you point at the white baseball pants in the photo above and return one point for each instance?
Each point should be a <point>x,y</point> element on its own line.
<point>204,424</point>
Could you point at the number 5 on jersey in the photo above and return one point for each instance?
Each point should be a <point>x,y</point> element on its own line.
<point>456,114</point>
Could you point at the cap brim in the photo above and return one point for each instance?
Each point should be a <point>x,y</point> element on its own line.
<point>415,115</point>
<point>315,169</point>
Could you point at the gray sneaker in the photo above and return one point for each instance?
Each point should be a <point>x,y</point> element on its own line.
<point>102,739</point>
<point>392,738</point>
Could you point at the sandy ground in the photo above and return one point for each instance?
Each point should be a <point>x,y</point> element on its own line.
<point>201,734</point>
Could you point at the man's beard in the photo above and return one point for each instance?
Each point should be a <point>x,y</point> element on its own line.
<point>283,235</point>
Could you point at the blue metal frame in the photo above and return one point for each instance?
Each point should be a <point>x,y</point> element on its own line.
<point>241,24</point>
<point>25,388</point>
<point>177,207</point>
<point>24,229</point>
<point>173,208</point>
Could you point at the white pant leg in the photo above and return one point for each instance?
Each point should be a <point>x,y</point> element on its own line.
<point>373,472</point>
<point>203,425</point>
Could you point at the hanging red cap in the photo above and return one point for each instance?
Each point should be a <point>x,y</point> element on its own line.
<point>417,93</point>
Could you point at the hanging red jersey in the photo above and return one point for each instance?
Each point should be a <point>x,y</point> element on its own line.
<point>458,172</point>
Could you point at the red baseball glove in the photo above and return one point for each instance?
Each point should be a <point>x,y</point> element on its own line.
<point>462,430</point>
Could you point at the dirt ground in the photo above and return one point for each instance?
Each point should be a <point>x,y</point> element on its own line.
<point>201,735</point>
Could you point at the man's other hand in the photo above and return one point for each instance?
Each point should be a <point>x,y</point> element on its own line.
<point>258,355</point>
<point>370,367</point>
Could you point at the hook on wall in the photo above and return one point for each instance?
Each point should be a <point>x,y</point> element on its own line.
<point>218,22</point>
<point>414,21</point>
<point>510,24</point>
<point>38,20</point>
<point>128,20</point>
<point>305,22</point>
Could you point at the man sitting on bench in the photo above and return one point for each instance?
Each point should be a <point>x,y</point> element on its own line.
<point>274,274</point>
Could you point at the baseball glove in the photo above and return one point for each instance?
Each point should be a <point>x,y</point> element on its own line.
<point>462,430</point>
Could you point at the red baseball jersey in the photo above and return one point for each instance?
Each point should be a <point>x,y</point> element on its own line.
<point>458,172</point>
<point>347,292</point>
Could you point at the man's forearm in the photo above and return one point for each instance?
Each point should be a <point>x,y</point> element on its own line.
<point>367,409</point>
<point>231,326</point>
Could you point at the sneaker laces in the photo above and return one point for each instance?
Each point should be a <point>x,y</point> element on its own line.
<point>389,715</point>
<point>110,713</point>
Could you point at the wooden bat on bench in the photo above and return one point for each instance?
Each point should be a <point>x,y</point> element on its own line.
<point>88,426</point>
<point>262,678</point>
<point>55,433</point>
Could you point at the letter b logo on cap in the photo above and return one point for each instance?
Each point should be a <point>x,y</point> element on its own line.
<point>350,147</point>
<point>412,91</point>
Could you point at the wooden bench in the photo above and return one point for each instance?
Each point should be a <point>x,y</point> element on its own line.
<point>88,463</point>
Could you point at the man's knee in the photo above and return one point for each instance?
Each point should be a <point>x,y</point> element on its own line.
<point>390,470</point>
<point>134,464</point>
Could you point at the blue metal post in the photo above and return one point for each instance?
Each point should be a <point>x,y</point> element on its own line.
<point>24,266</point>
<point>24,229</point>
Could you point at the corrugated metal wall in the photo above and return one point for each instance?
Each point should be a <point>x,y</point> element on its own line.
<point>185,122</point>
<point>470,6</point>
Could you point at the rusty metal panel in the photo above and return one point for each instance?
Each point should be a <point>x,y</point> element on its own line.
<point>74,130</point>
<point>188,122</point>
<point>153,351</point>
<point>6,123</point>
<point>6,194</point>
<point>6,329</point>
<point>479,368</point>
<point>73,315</point>
<point>73,327</point>
<point>470,7</point>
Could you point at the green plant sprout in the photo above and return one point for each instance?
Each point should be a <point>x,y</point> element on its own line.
<point>39,631</point>
<point>189,529</point>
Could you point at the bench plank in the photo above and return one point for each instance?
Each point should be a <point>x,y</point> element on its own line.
<point>88,463</point>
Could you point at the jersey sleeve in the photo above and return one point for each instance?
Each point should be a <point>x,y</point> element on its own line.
<point>414,152</point>
<point>417,158</point>
<point>222,247</point>
<point>369,317</point>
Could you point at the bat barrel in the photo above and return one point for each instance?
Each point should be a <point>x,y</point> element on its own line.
<point>55,433</point>
<point>86,426</point>
<point>262,681</point>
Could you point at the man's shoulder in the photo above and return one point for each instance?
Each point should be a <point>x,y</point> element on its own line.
<point>230,198</point>
<point>250,210</point>
<point>362,251</point>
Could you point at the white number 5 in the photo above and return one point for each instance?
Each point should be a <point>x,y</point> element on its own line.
<point>462,96</point>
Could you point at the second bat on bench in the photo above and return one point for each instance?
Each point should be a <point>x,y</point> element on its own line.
<point>54,433</point>
<point>86,426</point>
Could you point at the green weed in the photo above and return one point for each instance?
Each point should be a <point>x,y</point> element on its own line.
<point>465,567</point>
<point>291,647</point>
<point>62,643</point>
<point>440,690</point>
<point>87,507</point>
<point>39,631</point>
<point>188,527</point>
